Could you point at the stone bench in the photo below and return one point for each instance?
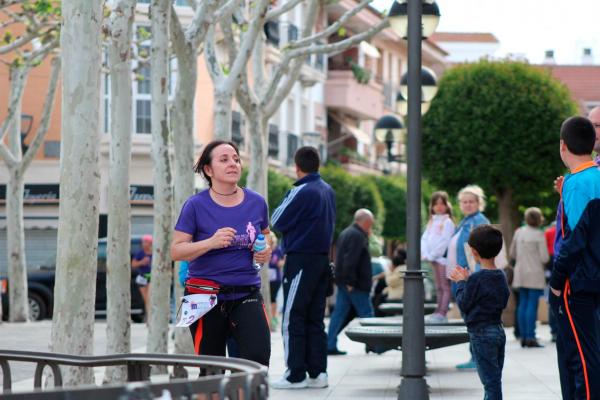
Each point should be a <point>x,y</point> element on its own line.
<point>390,337</point>
<point>397,308</point>
<point>396,321</point>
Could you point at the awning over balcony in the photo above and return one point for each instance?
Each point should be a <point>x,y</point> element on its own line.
<point>351,130</point>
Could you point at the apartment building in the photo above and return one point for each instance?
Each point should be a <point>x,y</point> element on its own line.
<point>42,194</point>
<point>362,85</point>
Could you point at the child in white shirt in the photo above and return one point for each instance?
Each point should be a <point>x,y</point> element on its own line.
<point>434,244</point>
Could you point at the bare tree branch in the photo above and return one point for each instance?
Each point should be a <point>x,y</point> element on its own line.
<point>332,48</point>
<point>272,102</point>
<point>229,41</point>
<point>226,9</point>
<point>8,22</point>
<point>10,160</point>
<point>193,4</point>
<point>212,62</point>
<point>23,40</point>
<point>247,44</point>
<point>258,64</point>
<point>245,97</point>
<point>331,29</point>
<point>12,108</point>
<point>196,32</point>
<point>177,34</point>
<point>46,115</point>
<point>37,56</point>
<point>6,3</point>
<point>11,14</point>
<point>285,7</point>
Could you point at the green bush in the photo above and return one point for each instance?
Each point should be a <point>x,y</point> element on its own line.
<point>393,193</point>
<point>352,193</point>
<point>277,185</point>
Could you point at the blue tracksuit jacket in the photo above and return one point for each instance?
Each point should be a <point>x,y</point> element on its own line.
<point>306,216</point>
<point>579,256</point>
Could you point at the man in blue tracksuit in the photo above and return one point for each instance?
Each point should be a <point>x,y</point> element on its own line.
<point>306,218</point>
<point>575,280</point>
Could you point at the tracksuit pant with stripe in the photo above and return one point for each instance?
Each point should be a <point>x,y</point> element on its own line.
<point>305,281</point>
<point>578,344</point>
<point>244,320</point>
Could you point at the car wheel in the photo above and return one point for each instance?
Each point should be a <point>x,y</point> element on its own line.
<point>37,307</point>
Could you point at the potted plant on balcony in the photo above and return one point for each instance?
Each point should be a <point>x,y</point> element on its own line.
<point>345,154</point>
<point>362,75</point>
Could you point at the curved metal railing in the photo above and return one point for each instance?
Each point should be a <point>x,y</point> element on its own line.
<point>229,378</point>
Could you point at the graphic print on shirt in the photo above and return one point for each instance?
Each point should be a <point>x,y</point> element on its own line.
<point>245,240</point>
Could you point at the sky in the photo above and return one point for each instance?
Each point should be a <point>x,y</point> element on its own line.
<point>527,27</point>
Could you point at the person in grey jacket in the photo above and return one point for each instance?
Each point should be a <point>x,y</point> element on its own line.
<point>352,276</point>
<point>529,249</point>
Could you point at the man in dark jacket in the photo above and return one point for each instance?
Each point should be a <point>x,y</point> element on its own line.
<point>306,218</point>
<point>352,276</point>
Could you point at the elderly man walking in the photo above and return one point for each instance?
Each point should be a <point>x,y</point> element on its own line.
<point>352,276</point>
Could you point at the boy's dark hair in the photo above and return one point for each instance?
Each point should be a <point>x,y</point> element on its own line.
<point>307,159</point>
<point>487,240</point>
<point>579,135</point>
<point>206,157</point>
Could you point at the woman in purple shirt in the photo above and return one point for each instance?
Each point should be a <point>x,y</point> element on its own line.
<point>215,232</point>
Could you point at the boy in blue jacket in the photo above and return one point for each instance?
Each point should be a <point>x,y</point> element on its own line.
<point>481,297</point>
<point>575,280</point>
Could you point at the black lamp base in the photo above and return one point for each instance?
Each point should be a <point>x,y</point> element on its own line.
<point>413,389</point>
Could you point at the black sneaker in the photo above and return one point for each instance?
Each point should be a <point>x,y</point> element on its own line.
<point>533,343</point>
<point>336,352</point>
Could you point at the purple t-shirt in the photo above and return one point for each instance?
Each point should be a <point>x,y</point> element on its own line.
<point>143,269</point>
<point>275,272</point>
<point>201,217</point>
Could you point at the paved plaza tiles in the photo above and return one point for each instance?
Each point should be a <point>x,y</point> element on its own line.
<point>529,374</point>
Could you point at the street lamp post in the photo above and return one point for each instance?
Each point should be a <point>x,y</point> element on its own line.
<point>406,18</point>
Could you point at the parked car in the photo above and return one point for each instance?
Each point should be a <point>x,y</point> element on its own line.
<point>40,283</point>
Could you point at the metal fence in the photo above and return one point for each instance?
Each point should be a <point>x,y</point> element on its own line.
<point>221,378</point>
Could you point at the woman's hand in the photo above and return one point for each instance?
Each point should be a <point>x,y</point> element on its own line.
<point>555,292</point>
<point>222,238</point>
<point>264,256</point>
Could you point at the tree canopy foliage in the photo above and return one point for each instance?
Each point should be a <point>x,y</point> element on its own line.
<point>496,124</point>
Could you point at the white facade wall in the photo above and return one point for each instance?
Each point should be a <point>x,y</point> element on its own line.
<point>468,52</point>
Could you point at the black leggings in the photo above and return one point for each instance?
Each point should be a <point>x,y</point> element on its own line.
<point>244,319</point>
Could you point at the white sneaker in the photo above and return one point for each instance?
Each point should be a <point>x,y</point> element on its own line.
<point>436,318</point>
<point>283,383</point>
<point>319,382</point>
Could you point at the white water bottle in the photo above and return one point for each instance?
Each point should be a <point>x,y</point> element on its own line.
<point>259,245</point>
